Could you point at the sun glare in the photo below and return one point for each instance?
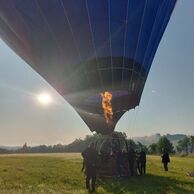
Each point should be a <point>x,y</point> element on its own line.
<point>44,98</point>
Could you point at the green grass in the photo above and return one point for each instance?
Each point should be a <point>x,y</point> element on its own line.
<point>60,173</point>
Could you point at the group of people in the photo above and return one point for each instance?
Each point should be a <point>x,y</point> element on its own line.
<point>136,163</point>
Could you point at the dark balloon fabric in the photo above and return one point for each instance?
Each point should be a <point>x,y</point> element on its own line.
<point>86,47</point>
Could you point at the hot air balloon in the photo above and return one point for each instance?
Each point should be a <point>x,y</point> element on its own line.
<point>96,53</point>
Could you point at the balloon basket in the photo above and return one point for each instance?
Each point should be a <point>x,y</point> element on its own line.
<point>112,156</point>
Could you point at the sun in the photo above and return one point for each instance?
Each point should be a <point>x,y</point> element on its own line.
<point>44,99</point>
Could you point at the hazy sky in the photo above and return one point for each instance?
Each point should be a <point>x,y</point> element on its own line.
<point>166,105</point>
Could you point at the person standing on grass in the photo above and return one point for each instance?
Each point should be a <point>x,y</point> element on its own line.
<point>142,161</point>
<point>165,159</point>
<point>90,163</point>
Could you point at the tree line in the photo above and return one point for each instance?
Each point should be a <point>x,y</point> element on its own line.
<point>184,146</point>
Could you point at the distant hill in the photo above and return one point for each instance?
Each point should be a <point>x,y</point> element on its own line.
<point>10,148</point>
<point>147,140</point>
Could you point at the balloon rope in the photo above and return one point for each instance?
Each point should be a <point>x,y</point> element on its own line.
<point>138,40</point>
<point>125,37</point>
<point>110,39</point>
<point>141,78</point>
<point>93,43</point>
<point>74,39</point>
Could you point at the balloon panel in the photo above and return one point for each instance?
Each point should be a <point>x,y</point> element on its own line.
<point>86,48</point>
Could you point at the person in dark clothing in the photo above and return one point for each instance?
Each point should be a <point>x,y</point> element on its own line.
<point>90,163</point>
<point>142,162</point>
<point>131,159</point>
<point>165,160</point>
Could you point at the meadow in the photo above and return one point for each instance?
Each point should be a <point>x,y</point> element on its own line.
<point>61,174</point>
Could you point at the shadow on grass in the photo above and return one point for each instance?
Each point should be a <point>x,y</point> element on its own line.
<point>148,184</point>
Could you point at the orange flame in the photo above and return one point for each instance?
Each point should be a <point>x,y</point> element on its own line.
<point>107,106</point>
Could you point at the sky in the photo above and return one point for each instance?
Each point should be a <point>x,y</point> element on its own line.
<point>166,105</point>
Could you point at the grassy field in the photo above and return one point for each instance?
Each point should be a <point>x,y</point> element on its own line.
<point>60,173</point>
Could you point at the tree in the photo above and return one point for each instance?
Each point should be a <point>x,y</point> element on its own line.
<point>192,143</point>
<point>24,148</point>
<point>183,145</point>
<point>164,143</point>
<point>153,148</point>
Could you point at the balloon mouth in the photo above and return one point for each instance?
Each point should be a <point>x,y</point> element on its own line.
<point>102,110</point>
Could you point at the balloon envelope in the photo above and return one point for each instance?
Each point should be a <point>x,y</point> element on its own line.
<point>88,47</point>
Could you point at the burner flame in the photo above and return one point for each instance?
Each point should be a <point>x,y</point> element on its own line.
<point>107,106</point>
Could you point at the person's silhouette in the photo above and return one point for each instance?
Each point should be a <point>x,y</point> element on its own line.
<point>90,162</point>
<point>165,159</point>
<point>142,161</point>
